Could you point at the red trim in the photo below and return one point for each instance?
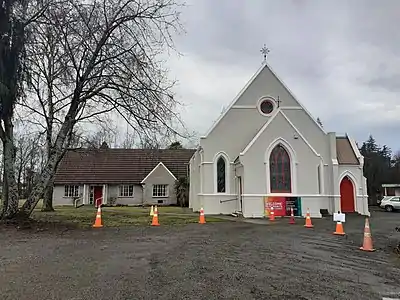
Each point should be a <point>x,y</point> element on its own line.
<point>98,193</point>
<point>347,195</point>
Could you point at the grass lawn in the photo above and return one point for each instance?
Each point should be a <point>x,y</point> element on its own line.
<point>119,216</point>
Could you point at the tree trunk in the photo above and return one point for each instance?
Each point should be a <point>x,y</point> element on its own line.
<point>11,190</point>
<point>48,199</point>
<point>19,181</point>
<point>4,196</point>
<point>48,193</point>
<point>57,152</point>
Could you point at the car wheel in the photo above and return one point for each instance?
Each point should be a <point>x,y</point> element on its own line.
<point>389,208</point>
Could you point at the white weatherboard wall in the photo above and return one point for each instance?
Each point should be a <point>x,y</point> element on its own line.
<point>243,135</point>
<point>303,160</point>
<point>60,199</point>
<point>159,175</point>
<point>137,199</point>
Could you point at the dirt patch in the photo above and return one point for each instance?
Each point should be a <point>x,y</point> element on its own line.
<point>33,225</point>
<point>230,260</point>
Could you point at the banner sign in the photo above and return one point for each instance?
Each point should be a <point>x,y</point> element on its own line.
<point>295,203</point>
<point>282,206</point>
<point>278,203</point>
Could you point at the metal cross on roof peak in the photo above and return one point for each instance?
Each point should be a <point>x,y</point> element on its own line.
<point>264,50</point>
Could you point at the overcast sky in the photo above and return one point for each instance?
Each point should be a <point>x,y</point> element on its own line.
<point>341,59</point>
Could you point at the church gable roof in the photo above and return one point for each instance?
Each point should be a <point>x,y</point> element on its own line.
<point>246,87</point>
<point>260,132</point>
<point>345,153</point>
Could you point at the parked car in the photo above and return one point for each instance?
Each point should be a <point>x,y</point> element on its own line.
<point>390,203</point>
<point>383,198</point>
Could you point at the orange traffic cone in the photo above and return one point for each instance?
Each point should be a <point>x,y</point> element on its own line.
<point>367,243</point>
<point>97,222</point>
<point>308,220</point>
<point>292,221</point>
<point>202,219</point>
<point>155,217</point>
<point>271,214</point>
<point>339,229</point>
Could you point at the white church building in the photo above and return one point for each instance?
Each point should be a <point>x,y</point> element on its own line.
<point>267,146</point>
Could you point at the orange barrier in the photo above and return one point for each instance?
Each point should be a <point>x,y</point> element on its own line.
<point>367,242</point>
<point>271,214</point>
<point>292,221</point>
<point>155,217</point>
<point>202,219</point>
<point>97,222</point>
<point>308,220</point>
<point>339,229</point>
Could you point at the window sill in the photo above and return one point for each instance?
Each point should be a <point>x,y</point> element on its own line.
<point>126,197</point>
<point>160,196</point>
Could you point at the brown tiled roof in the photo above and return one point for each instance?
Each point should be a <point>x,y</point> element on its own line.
<point>344,152</point>
<point>118,165</point>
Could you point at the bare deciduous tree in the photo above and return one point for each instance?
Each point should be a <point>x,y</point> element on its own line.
<point>112,49</point>
<point>103,134</point>
<point>47,79</point>
<point>129,141</point>
<point>16,19</point>
<point>27,147</point>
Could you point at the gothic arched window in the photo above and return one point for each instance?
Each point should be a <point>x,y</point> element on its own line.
<point>221,175</point>
<point>279,170</point>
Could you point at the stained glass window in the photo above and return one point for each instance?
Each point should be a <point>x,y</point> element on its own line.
<point>279,170</point>
<point>221,175</point>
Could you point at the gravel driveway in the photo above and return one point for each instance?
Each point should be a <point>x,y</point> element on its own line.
<point>230,260</point>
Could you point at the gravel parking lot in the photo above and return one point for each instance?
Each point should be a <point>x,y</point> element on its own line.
<point>229,260</point>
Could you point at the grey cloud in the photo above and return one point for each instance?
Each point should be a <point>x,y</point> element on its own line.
<point>336,56</point>
<point>389,83</point>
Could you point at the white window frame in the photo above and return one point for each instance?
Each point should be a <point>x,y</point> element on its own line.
<point>71,191</point>
<point>161,190</point>
<point>124,192</point>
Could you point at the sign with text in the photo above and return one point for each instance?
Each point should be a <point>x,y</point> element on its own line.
<point>282,206</point>
<point>295,203</point>
<point>278,203</point>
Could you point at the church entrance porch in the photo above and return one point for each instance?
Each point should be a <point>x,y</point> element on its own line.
<point>347,195</point>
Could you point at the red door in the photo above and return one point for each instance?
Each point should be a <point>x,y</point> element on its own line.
<point>98,195</point>
<point>347,195</point>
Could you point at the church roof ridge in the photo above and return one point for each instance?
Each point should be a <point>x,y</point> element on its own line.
<point>264,64</point>
<point>264,127</point>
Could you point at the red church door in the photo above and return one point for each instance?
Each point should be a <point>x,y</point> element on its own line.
<point>98,195</point>
<point>346,195</point>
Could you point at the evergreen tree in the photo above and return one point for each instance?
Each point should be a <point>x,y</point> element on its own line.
<point>175,145</point>
<point>377,166</point>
